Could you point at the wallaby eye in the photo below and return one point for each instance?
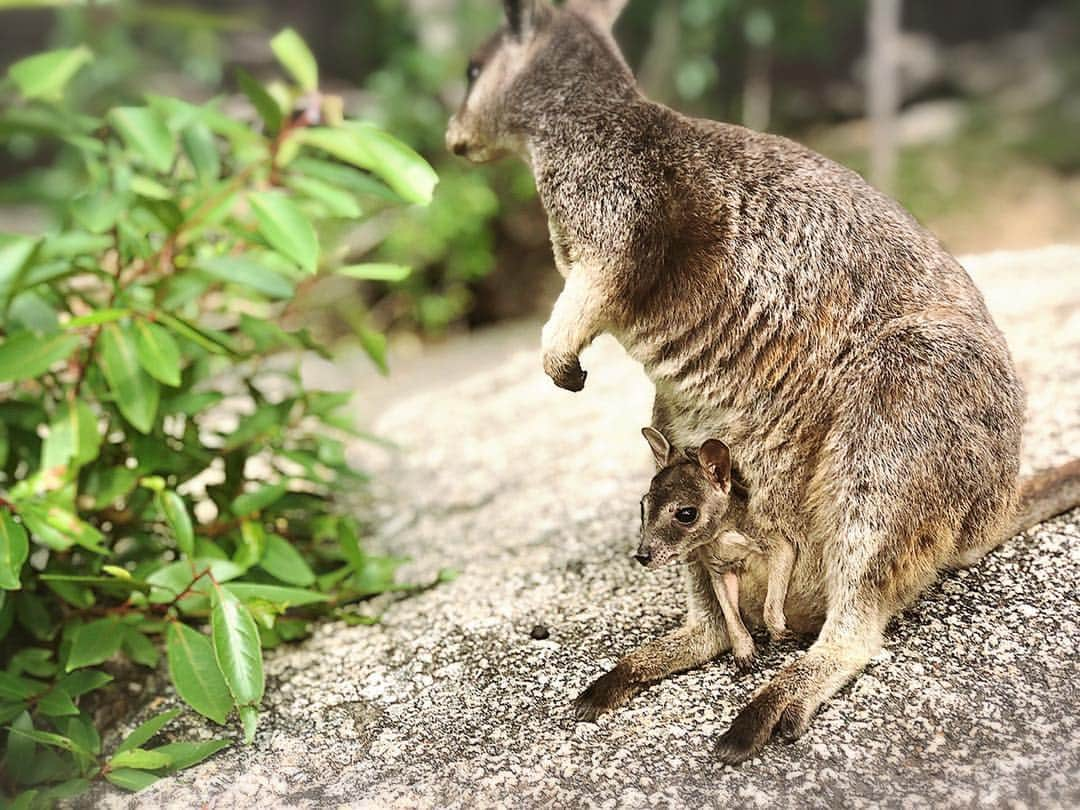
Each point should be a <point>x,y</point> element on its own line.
<point>472,72</point>
<point>686,515</point>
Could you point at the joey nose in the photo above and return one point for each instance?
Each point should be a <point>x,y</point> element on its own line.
<point>643,558</point>
<point>459,148</point>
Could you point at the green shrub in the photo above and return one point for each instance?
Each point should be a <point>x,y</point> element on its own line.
<point>163,471</point>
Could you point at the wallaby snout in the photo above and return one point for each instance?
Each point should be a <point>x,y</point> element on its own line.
<point>643,557</point>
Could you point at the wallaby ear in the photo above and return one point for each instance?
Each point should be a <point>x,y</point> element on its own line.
<point>521,16</point>
<point>661,447</point>
<point>715,459</point>
<point>602,12</point>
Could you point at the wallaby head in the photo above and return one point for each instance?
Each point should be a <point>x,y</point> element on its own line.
<point>688,503</point>
<point>541,62</point>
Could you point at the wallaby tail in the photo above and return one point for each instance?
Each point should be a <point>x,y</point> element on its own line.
<point>1046,494</point>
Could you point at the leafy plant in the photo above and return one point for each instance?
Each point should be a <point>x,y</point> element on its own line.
<point>162,468</point>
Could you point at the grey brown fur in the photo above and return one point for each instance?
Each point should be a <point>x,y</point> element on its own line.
<point>778,301</point>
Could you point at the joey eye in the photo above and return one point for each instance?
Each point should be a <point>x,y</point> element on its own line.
<point>472,72</point>
<point>686,515</point>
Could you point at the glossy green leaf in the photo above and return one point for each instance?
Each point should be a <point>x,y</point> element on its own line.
<point>194,672</point>
<point>94,643</point>
<point>255,501</point>
<point>83,681</point>
<point>14,549</point>
<point>366,147</point>
<point>16,254</point>
<point>375,271</point>
<point>45,75</point>
<point>96,318</point>
<point>144,132</point>
<point>140,649</point>
<point>252,543</point>
<point>131,779</point>
<point>136,393</point>
<point>56,703</point>
<point>277,594</point>
<point>56,527</point>
<point>284,562</point>
<point>336,201</point>
<point>25,355</point>
<point>296,57</point>
<point>143,733</point>
<point>176,514</point>
<point>186,754</point>
<point>157,352</point>
<point>74,438</point>
<point>236,647</point>
<point>286,228</point>
<point>201,149</point>
<point>249,273</point>
<point>50,739</point>
<point>140,758</point>
<point>265,104</point>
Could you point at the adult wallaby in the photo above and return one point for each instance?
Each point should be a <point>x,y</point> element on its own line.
<point>777,301</point>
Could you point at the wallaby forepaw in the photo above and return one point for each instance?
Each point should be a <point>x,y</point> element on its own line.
<point>607,692</point>
<point>781,633</point>
<point>565,372</point>
<point>744,664</point>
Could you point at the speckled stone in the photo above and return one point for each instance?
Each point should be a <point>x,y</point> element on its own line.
<point>532,494</point>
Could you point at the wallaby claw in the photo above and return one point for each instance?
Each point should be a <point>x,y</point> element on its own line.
<point>744,665</point>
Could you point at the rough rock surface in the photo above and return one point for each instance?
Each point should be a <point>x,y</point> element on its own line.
<point>531,494</point>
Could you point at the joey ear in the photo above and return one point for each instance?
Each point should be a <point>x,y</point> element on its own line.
<point>715,459</point>
<point>602,12</point>
<point>521,16</point>
<point>661,448</point>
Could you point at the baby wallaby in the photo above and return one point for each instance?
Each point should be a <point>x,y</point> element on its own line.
<point>695,511</point>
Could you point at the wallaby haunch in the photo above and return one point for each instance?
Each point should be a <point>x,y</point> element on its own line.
<point>778,301</point>
<point>695,511</point>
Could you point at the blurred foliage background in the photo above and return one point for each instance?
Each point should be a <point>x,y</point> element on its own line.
<point>988,153</point>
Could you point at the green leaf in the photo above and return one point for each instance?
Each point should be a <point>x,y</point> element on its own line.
<point>140,649</point>
<point>197,336</point>
<point>194,672</point>
<point>145,133</point>
<point>236,647</point>
<point>286,228</point>
<point>265,104</point>
<point>136,393</point>
<point>252,543</point>
<point>145,731</point>
<point>19,756</point>
<point>25,355</point>
<point>58,528</point>
<point>336,201</point>
<point>50,739</point>
<point>94,643</point>
<point>186,754</point>
<point>140,758</point>
<point>284,562</point>
<point>366,147</point>
<point>251,502</point>
<point>157,352</point>
<point>131,779</point>
<point>374,344</point>
<point>201,149</point>
<point>277,594</point>
<point>349,539</point>
<point>73,438</point>
<point>96,318</point>
<point>245,271</point>
<point>179,521</point>
<point>83,681</point>
<point>16,254</point>
<point>14,687</point>
<point>14,549</point>
<point>375,271</point>
<point>296,57</point>
<point>56,703</point>
<point>45,75</point>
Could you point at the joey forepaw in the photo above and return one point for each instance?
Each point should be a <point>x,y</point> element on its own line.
<point>565,371</point>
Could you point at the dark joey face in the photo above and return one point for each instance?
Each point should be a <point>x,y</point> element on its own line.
<point>686,504</point>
